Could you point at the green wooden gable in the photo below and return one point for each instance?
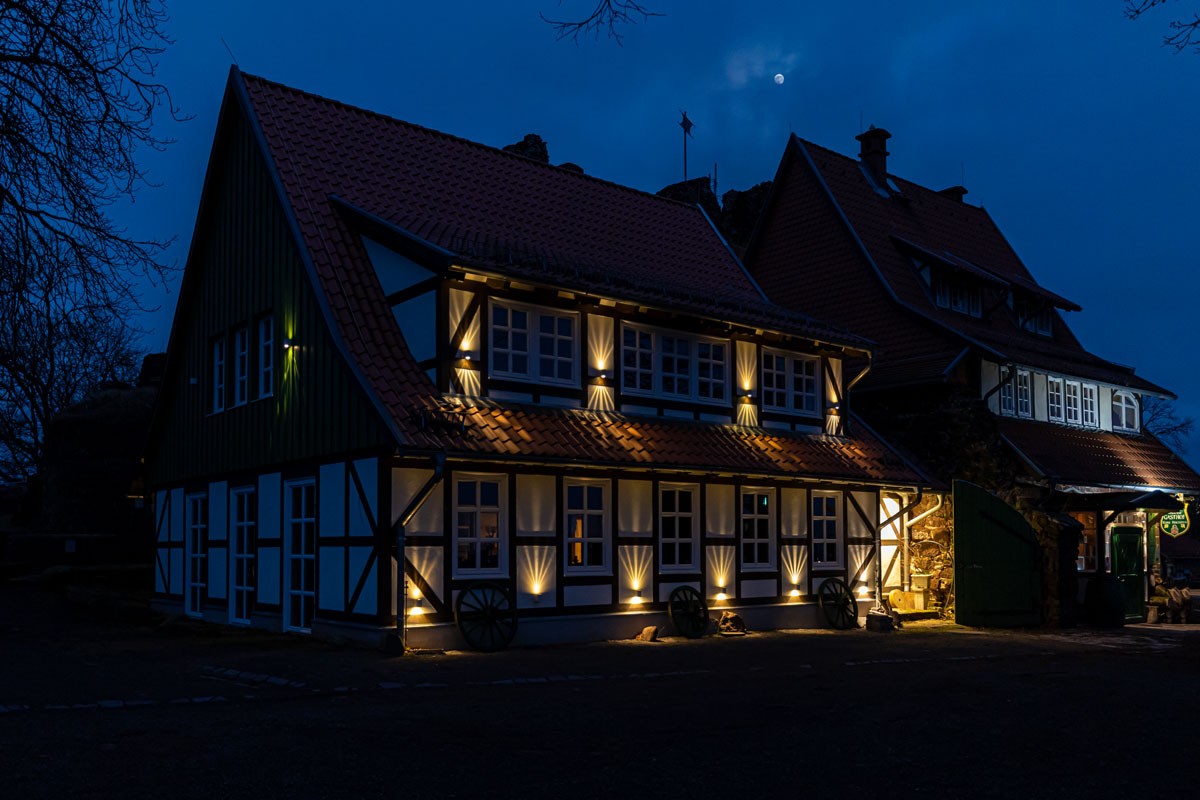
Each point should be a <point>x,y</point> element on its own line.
<point>244,264</point>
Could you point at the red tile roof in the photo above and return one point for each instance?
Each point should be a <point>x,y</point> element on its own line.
<point>483,428</point>
<point>885,297</point>
<point>505,213</point>
<point>1097,458</point>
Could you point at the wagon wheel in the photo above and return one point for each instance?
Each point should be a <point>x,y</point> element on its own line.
<point>688,612</point>
<point>838,604</point>
<point>486,616</point>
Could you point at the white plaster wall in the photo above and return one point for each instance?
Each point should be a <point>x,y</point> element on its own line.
<point>536,576</point>
<point>537,505</point>
<point>331,578</point>
<point>635,571</point>
<point>368,600</point>
<point>793,508</point>
<point>721,513</point>
<point>405,485</point>
<point>722,565</point>
<point>793,563</point>
<point>636,512</point>
<point>362,519</point>
<point>331,500</point>
<point>587,595</point>
<point>759,587</point>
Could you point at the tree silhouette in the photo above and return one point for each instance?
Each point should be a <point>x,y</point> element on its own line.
<point>1182,33</point>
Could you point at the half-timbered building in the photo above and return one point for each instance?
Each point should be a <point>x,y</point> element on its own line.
<point>956,314</point>
<point>408,369</point>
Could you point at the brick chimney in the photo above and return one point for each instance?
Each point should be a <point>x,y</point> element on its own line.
<point>874,153</point>
<point>954,192</point>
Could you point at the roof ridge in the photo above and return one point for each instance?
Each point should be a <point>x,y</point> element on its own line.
<point>248,77</point>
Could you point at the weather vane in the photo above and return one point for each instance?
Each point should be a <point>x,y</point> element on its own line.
<point>687,126</point>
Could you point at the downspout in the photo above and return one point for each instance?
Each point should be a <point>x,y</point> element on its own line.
<point>414,505</point>
<point>903,512</point>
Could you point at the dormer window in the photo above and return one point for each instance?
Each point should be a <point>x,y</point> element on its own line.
<point>534,344</point>
<point>957,294</point>
<point>1125,412</point>
<point>1038,320</point>
<point>674,366</point>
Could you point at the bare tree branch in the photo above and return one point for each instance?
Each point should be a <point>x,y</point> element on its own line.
<point>608,17</point>
<point>78,100</point>
<point>1184,33</point>
<point>1159,417</point>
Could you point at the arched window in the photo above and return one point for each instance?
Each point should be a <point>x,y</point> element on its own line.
<point>1124,412</point>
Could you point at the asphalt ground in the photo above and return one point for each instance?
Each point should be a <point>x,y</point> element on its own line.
<point>94,704</point>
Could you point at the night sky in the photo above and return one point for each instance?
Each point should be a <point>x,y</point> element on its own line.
<point>1073,126</point>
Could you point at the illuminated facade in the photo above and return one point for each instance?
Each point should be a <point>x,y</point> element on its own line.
<point>962,326</point>
<point>407,367</point>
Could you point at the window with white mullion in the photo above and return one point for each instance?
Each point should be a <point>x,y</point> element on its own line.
<point>478,525</point>
<point>510,341</point>
<point>241,366</point>
<point>791,382</point>
<point>1008,406</point>
<point>757,526</point>
<point>300,528</point>
<point>675,361</point>
<point>266,356</point>
<point>826,530</point>
<point>1072,403</point>
<point>1054,399</point>
<point>556,347</point>
<point>1090,403</point>
<point>217,363</point>
<point>243,535</point>
<point>711,369</point>
<point>637,360</point>
<point>677,528</point>
<point>1024,394</point>
<point>1125,415</point>
<point>196,545</point>
<point>586,526</point>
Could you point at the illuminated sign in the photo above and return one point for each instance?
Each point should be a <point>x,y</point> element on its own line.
<point>1175,523</point>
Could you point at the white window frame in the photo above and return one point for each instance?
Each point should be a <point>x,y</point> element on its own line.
<point>217,368</point>
<point>266,356</point>
<point>819,529</point>
<point>757,517</point>
<point>658,359</point>
<point>196,531</point>
<point>1024,393</point>
<point>1089,404</point>
<point>478,509</point>
<point>1072,403</point>
<point>672,519</point>
<point>789,385</point>
<point>1128,407</point>
<point>1055,399</point>
<point>306,595</point>
<point>533,343</point>
<point>1008,397</point>
<point>957,295</point>
<point>241,366</point>
<point>586,511</point>
<point>243,551</point>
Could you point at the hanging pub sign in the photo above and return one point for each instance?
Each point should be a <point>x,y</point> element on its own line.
<point>1175,523</point>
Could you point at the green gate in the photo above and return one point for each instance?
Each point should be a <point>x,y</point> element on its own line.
<point>997,562</point>
<point>1127,565</point>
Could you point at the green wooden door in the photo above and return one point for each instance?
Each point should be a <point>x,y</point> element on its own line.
<point>997,562</point>
<point>1128,567</point>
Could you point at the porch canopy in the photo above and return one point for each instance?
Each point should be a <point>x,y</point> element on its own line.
<point>1153,500</point>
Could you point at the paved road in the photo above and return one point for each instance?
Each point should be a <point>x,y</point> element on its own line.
<point>94,709</point>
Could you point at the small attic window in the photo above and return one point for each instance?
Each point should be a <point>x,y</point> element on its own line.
<point>1035,317</point>
<point>957,294</point>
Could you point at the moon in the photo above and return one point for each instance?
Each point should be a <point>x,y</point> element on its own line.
<point>779,79</point>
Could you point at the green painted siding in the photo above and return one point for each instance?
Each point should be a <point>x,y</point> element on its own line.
<point>243,265</point>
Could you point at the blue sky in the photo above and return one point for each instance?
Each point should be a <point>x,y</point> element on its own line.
<point>1074,127</point>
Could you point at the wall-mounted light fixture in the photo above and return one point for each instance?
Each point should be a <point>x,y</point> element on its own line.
<point>636,600</point>
<point>721,595</point>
